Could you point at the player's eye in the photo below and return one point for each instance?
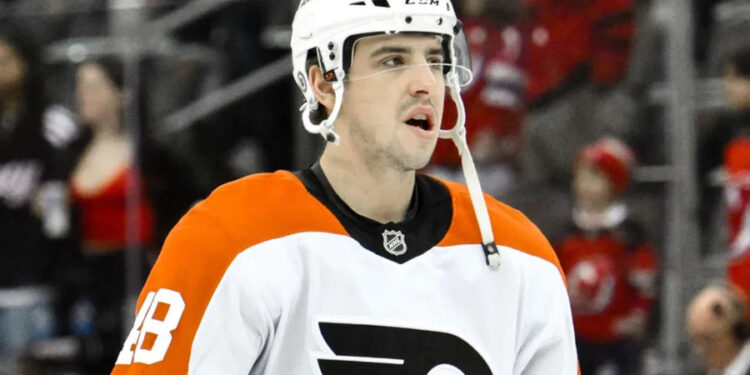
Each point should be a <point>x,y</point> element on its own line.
<point>394,61</point>
<point>435,60</point>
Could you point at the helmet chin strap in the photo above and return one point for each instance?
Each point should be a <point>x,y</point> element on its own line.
<point>458,135</point>
<point>325,128</point>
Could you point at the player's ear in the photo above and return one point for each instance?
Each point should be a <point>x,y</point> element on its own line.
<point>323,89</point>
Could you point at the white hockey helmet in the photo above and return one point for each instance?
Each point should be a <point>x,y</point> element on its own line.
<point>328,29</point>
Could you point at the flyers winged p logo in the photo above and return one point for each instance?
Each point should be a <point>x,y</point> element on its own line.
<point>382,350</point>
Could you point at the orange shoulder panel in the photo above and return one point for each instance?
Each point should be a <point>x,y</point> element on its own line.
<point>510,227</point>
<point>207,239</point>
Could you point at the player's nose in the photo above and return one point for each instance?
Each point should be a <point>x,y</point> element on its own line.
<point>422,80</point>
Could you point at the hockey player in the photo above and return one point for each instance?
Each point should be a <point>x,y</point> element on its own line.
<point>358,265</point>
<point>610,264</point>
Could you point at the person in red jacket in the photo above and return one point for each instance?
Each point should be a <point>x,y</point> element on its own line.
<point>100,188</point>
<point>577,51</point>
<point>737,167</point>
<point>609,263</point>
<point>577,41</point>
<point>494,99</point>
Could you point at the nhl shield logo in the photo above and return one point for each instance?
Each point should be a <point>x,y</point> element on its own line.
<point>393,242</point>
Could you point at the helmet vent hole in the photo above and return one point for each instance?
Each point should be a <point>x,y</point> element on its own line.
<point>408,19</point>
<point>332,56</point>
<point>330,46</point>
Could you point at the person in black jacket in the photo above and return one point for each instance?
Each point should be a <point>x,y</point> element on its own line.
<point>32,192</point>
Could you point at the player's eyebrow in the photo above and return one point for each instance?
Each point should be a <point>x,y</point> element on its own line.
<point>390,49</point>
<point>435,51</point>
<point>395,49</point>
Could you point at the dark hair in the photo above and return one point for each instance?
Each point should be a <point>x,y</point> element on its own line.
<point>738,325</point>
<point>32,87</point>
<point>113,68</point>
<point>740,61</point>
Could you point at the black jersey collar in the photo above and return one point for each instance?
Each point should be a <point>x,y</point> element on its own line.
<point>427,220</point>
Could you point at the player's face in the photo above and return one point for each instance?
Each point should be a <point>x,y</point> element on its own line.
<point>393,101</point>
<point>98,98</point>
<point>738,89</point>
<point>593,190</point>
<point>12,69</point>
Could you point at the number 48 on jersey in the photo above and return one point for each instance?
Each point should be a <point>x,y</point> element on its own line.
<point>153,329</point>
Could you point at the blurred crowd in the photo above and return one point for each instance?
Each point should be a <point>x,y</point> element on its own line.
<point>560,119</point>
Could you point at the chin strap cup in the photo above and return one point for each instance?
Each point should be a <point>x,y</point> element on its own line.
<point>492,255</point>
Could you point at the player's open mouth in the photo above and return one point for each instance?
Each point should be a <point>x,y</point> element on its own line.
<point>421,117</point>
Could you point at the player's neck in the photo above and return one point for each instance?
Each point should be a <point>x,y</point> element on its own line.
<point>380,194</point>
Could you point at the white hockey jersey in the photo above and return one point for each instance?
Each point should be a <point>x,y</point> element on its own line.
<point>273,274</point>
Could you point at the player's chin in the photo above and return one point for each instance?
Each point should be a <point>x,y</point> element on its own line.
<point>419,160</point>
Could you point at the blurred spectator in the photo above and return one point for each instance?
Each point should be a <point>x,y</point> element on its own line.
<point>100,186</point>
<point>737,167</point>
<point>578,50</point>
<point>719,331</point>
<point>723,166</point>
<point>610,265</point>
<point>494,99</point>
<point>33,207</point>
